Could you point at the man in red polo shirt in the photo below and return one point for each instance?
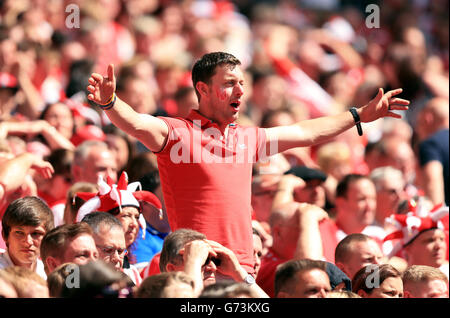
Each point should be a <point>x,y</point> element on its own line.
<point>205,160</point>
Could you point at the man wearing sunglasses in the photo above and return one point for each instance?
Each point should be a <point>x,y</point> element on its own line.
<point>204,260</point>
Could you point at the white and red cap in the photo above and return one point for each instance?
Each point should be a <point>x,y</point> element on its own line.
<point>111,196</point>
<point>417,220</point>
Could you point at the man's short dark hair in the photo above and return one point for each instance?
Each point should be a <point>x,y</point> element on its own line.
<point>54,242</point>
<point>344,184</point>
<point>27,211</point>
<point>97,219</point>
<point>172,245</point>
<point>205,68</point>
<point>342,249</point>
<point>285,276</point>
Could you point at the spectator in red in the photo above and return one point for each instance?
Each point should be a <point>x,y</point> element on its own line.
<point>296,235</point>
<point>356,251</point>
<point>93,159</point>
<point>356,207</point>
<point>420,235</point>
<point>218,81</point>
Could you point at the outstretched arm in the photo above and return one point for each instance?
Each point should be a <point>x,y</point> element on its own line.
<point>14,171</point>
<point>318,130</point>
<point>151,131</point>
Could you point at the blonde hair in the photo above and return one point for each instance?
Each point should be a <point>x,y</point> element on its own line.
<point>342,294</point>
<point>331,153</point>
<point>421,273</point>
<point>155,286</point>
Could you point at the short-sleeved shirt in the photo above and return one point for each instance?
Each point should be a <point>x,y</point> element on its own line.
<point>267,271</point>
<point>270,261</point>
<point>5,261</point>
<point>436,147</point>
<point>152,268</point>
<point>206,180</point>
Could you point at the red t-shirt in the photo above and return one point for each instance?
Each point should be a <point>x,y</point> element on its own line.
<point>206,180</point>
<point>152,268</point>
<point>266,274</point>
<point>269,263</point>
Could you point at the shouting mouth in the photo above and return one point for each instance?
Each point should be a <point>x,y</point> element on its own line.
<point>235,105</point>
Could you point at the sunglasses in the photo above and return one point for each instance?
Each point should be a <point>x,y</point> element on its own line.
<point>215,260</point>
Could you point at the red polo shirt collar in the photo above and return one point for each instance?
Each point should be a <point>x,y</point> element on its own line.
<point>205,122</point>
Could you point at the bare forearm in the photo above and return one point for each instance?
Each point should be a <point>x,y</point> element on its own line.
<point>148,129</point>
<point>310,132</point>
<point>56,140</point>
<point>434,182</point>
<point>309,243</point>
<point>33,100</point>
<point>14,171</point>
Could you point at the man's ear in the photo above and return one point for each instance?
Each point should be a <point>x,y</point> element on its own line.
<point>170,267</point>
<point>407,294</point>
<point>202,88</point>
<point>51,263</point>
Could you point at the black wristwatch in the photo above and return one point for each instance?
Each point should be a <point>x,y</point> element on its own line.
<point>357,120</point>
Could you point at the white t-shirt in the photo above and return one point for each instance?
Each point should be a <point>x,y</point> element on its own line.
<point>5,261</point>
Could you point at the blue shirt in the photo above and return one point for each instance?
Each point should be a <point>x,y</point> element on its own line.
<point>145,249</point>
<point>436,147</point>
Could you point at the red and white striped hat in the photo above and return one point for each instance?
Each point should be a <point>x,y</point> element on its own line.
<point>417,220</point>
<point>111,196</point>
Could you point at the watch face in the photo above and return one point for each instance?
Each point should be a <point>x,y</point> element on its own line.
<point>250,279</point>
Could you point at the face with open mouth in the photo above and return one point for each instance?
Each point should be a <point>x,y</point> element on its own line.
<point>224,94</point>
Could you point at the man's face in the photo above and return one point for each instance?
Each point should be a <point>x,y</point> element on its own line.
<point>224,94</point>
<point>209,270</point>
<point>129,217</point>
<point>24,242</point>
<point>60,117</point>
<point>80,250</point>
<point>389,196</point>
<point>360,202</point>
<point>100,162</point>
<point>391,287</point>
<point>312,193</point>
<point>361,254</point>
<point>312,284</point>
<point>435,288</point>
<point>110,242</point>
<point>257,252</point>
<point>429,248</point>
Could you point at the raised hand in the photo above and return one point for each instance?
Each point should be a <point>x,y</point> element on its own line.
<point>383,105</point>
<point>101,88</point>
<point>43,167</point>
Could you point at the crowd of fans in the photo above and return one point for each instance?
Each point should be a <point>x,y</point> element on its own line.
<point>322,215</point>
